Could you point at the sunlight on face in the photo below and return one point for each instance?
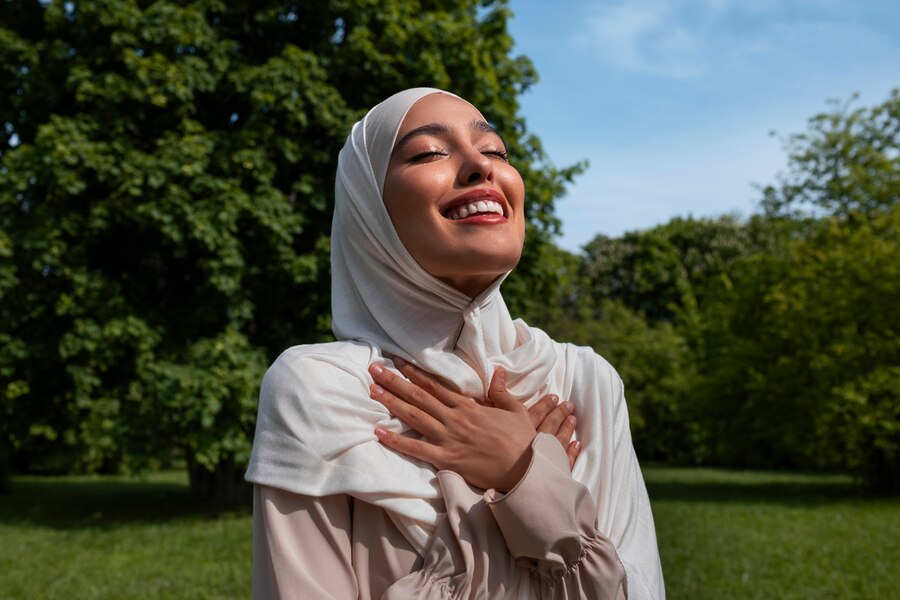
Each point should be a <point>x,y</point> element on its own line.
<point>455,201</point>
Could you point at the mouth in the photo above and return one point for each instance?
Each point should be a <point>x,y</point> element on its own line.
<point>476,204</point>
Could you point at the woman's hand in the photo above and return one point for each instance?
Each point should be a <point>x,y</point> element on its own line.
<point>488,445</point>
<point>549,415</point>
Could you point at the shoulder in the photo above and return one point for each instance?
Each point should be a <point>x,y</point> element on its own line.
<point>321,361</point>
<point>318,368</point>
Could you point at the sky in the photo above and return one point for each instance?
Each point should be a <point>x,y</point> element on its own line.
<point>673,103</point>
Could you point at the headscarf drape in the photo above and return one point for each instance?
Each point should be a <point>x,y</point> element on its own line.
<point>316,420</point>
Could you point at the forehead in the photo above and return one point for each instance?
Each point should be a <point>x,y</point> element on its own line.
<point>439,108</point>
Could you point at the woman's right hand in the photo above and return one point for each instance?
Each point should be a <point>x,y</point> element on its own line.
<point>549,415</point>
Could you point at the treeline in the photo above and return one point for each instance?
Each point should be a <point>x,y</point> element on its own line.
<point>772,342</point>
<point>166,179</point>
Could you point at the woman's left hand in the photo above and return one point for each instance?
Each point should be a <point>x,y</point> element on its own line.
<point>489,446</point>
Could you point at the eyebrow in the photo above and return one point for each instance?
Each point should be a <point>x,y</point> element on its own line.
<point>443,128</point>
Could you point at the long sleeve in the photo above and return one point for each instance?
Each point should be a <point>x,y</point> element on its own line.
<point>537,541</point>
<point>548,523</point>
<point>301,546</point>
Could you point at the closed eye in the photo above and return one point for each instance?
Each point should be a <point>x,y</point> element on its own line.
<point>501,154</point>
<point>424,156</point>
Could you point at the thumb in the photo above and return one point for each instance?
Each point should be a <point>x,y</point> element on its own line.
<point>498,395</point>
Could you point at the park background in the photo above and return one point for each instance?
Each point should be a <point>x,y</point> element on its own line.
<point>166,176</point>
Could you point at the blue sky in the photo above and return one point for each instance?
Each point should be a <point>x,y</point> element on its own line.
<point>672,102</point>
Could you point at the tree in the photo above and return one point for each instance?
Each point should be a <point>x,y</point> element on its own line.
<point>166,176</point>
<point>802,354</point>
<point>662,272</point>
<point>846,163</point>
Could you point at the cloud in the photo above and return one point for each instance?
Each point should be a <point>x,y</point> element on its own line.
<point>690,39</point>
<point>644,37</point>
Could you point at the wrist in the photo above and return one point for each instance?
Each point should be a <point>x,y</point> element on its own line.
<point>515,474</point>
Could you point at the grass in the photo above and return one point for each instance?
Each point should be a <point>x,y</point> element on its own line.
<point>722,534</point>
<point>117,538</point>
<point>728,534</point>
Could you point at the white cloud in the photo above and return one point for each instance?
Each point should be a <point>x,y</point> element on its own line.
<point>644,37</point>
<point>687,39</point>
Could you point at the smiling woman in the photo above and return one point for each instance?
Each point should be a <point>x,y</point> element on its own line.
<point>427,453</point>
<point>454,199</point>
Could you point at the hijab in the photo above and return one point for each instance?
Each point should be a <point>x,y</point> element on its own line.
<point>316,419</point>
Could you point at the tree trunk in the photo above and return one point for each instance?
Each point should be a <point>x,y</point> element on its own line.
<point>884,472</point>
<point>223,486</point>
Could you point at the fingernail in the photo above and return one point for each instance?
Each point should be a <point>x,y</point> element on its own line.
<point>577,445</point>
<point>376,389</point>
<point>380,432</point>
<point>399,362</point>
<point>572,420</point>
<point>554,398</point>
<point>501,375</point>
<point>568,406</point>
<point>376,369</point>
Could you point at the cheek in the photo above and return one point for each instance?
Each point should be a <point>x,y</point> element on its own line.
<point>514,188</point>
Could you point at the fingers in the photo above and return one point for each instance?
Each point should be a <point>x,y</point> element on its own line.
<point>572,451</point>
<point>559,422</point>
<point>429,383</point>
<point>411,447</point>
<point>400,397</point>
<point>540,409</point>
<point>407,391</point>
<point>412,415</point>
<point>498,394</point>
<point>566,430</point>
<point>552,422</point>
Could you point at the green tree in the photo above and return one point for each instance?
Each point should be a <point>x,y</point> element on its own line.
<point>846,163</point>
<point>166,177</point>
<point>802,354</point>
<point>663,272</point>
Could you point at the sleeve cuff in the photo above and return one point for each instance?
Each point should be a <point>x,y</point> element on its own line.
<point>547,514</point>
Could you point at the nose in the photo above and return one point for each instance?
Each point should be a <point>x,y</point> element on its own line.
<point>476,168</point>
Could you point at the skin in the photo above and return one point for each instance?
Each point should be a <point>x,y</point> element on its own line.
<point>430,170</point>
<point>445,152</point>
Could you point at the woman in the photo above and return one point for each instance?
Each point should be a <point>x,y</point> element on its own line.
<point>372,454</point>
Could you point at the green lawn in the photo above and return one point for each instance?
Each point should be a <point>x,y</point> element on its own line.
<point>89,537</point>
<point>722,534</point>
<point>729,534</point>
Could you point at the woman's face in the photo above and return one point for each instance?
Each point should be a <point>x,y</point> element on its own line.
<point>455,201</point>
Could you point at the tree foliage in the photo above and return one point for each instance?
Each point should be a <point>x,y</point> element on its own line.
<point>846,163</point>
<point>663,272</point>
<point>802,354</point>
<point>166,177</point>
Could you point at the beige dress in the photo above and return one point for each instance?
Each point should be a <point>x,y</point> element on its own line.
<point>488,545</point>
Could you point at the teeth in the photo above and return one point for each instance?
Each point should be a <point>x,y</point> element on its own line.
<point>481,206</point>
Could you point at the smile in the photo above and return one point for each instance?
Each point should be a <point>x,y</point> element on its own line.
<point>475,208</point>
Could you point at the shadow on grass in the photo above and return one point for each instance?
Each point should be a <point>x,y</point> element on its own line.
<point>63,503</point>
<point>698,485</point>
